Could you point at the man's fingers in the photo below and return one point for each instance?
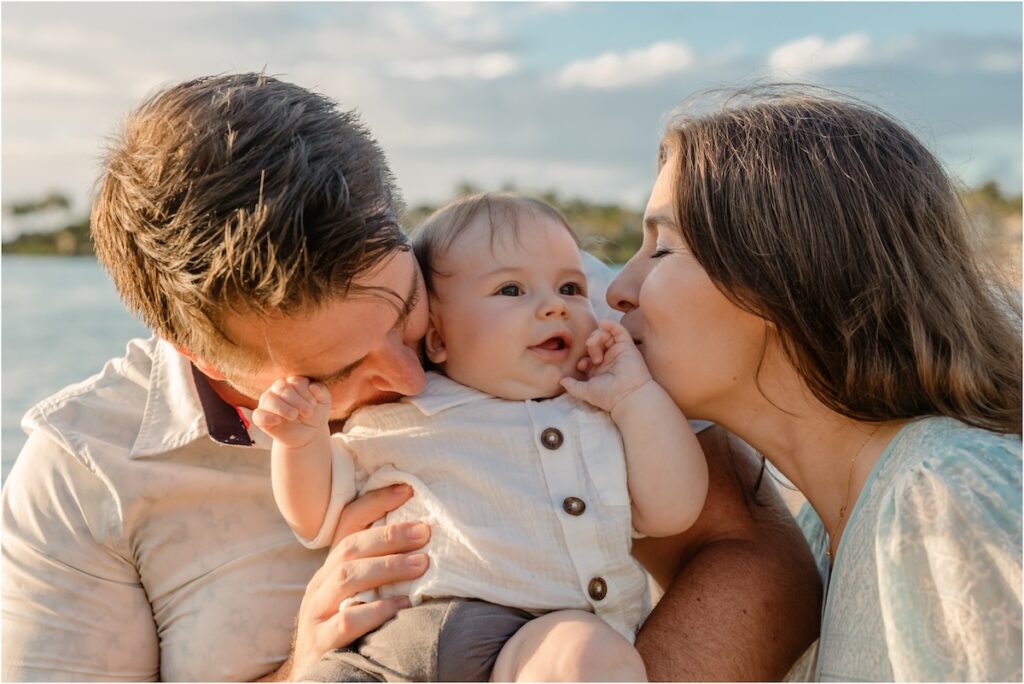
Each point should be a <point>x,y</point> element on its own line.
<point>362,574</point>
<point>371,507</point>
<point>383,540</point>
<point>356,539</point>
<point>348,625</point>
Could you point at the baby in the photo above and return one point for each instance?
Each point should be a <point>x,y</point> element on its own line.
<point>538,449</point>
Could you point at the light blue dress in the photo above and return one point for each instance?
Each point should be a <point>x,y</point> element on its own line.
<point>927,580</point>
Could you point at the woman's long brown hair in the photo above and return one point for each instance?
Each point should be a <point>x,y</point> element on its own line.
<point>834,223</point>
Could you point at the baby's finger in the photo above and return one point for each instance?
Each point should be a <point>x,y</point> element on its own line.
<point>596,345</point>
<point>573,386</point>
<point>584,364</point>
<point>616,331</point>
<point>321,394</point>
<point>301,386</point>
<point>273,403</point>
<point>301,404</point>
<point>265,419</point>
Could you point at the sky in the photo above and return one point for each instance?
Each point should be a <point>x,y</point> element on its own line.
<point>557,95</point>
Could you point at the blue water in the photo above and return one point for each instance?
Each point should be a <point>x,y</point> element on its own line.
<point>61,320</point>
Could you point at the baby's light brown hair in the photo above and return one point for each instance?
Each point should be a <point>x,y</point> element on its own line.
<point>503,209</point>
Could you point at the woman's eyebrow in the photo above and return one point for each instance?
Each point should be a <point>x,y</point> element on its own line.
<point>652,224</point>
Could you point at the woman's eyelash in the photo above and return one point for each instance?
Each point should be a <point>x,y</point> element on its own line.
<point>660,252</point>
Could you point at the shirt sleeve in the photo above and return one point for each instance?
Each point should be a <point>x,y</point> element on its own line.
<point>949,550</point>
<point>74,608</point>
<point>343,490</point>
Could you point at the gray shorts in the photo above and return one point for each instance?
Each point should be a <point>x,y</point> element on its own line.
<point>442,640</point>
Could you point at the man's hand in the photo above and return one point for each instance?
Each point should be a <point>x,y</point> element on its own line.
<point>365,558</point>
<point>294,411</point>
<point>613,365</point>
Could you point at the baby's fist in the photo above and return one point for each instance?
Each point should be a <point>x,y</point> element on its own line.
<point>293,410</point>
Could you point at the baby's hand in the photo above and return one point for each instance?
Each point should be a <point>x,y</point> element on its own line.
<point>293,410</point>
<point>613,365</point>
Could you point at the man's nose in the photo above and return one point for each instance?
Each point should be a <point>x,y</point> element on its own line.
<point>400,371</point>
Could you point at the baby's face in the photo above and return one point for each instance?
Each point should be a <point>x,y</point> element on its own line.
<point>511,317</point>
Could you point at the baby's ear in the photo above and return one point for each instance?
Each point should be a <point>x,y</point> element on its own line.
<point>433,343</point>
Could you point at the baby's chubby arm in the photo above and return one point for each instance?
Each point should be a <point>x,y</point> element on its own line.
<point>666,469</point>
<point>295,413</point>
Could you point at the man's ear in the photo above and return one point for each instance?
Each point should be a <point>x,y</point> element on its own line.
<point>433,343</point>
<point>205,367</point>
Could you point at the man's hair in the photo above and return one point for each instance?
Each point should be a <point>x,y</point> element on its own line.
<point>833,222</point>
<point>503,210</point>
<point>240,193</point>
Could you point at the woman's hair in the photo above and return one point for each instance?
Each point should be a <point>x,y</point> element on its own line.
<point>835,224</point>
<point>503,209</point>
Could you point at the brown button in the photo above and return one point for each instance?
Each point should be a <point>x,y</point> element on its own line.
<point>597,588</point>
<point>574,506</point>
<point>552,438</point>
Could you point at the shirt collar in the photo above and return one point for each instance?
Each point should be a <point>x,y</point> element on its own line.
<point>182,406</point>
<point>443,393</point>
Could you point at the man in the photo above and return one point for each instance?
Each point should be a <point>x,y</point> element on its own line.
<point>254,228</point>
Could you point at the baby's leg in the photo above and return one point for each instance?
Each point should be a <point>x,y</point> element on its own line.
<point>568,646</point>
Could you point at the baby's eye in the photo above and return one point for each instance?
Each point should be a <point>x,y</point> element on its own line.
<point>570,289</point>
<point>510,291</point>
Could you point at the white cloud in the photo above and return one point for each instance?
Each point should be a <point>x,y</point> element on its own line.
<point>616,70</point>
<point>1000,62</point>
<point>461,67</point>
<point>454,11</point>
<point>28,77</point>
<point>814,54</point>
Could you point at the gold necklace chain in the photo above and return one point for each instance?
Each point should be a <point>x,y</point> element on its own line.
<point>849,486</point>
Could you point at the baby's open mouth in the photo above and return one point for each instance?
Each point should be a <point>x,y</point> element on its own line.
<point>553,343</point>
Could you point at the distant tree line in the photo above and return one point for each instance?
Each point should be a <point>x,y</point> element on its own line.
<point>611,232</point>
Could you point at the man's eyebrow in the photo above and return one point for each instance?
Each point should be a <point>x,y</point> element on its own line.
<point>337,375</point>
<point>411,299</point>
<point>409,303</point>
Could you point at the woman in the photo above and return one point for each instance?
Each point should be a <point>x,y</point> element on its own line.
<point>806,282</point>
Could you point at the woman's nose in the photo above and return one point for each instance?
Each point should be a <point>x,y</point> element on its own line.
<point>622,293</point>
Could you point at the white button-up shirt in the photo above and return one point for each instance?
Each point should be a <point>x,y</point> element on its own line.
<point>527,500</point>
<point>137,547</point>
